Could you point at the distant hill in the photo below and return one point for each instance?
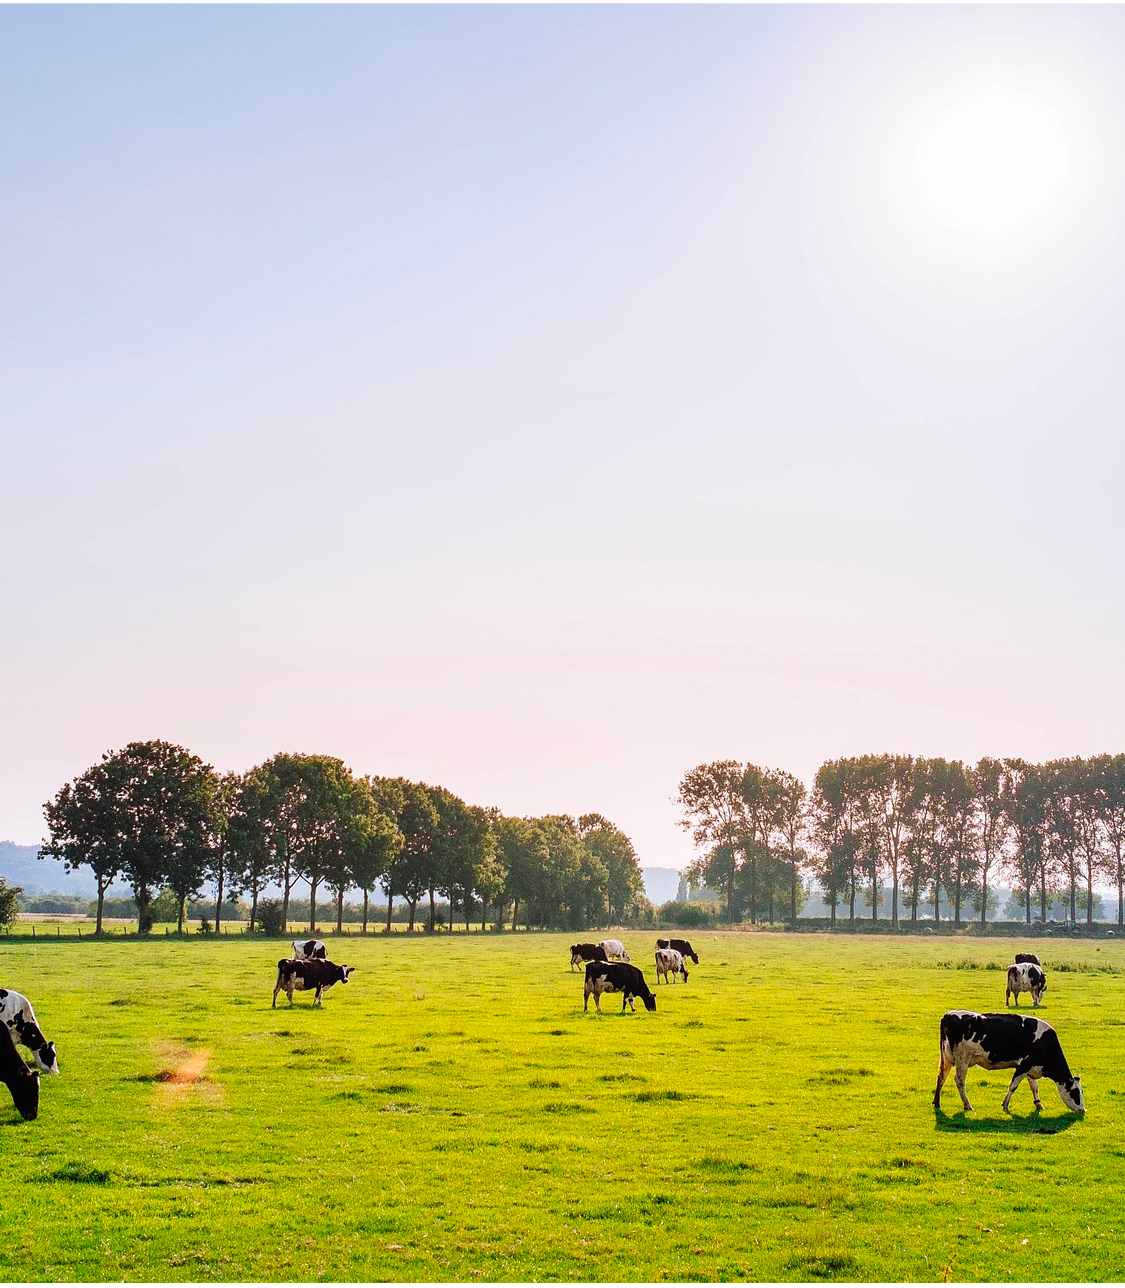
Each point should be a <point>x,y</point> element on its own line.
<point>20,865</point>
<point>661,884</point>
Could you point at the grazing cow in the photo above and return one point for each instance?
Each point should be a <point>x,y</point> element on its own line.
<point>617,977</point>
<point>310,950</point>
<point>580,953</point>
<point>1005,1041</point>
<point>681,946</point>
<point>614,948</point>
<point>669,961</point>
<point>1026,978</point>
<point>300,974</point>
<point>1027,957</point>
<point>21,1081</point>
<point>16,1014</point>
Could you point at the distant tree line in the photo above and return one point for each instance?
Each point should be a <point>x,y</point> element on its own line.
<point>927,829</point>
<point>155,815</point>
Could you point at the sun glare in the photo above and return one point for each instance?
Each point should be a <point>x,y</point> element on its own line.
<point>992,164</point>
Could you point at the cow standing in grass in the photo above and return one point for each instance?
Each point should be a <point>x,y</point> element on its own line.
<point>1005,1041</point>
<point>580,953</point>
<point>669,961</point>
<point>617,977</point>
<point>1026,977</point>
<point>614,948</point>
<point>298,974</point>
<point>310,949</point>
<point>17,1015</point>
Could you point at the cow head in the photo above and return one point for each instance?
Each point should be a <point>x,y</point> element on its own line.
<point>683,973</point>
<point>576,957</point>
<point>650,1003</point>
<point>1070,1091</point>
<point>625,956</point>
<point>46,1058</point>
<point>345,971</point>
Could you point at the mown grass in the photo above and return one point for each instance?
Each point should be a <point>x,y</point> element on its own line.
<point>453,1114</point>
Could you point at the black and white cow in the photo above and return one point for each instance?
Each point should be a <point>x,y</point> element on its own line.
<point>17,1015</point>
<point>310,950</point>
<point>681,946</point>
<point>669,961</point>
<point>21,1081</point>
<point>1027,957</point>
<point>614,948</point>
<point>1026,978</point>
<point>299,974</point>
<point>617,977</point>
<point>580,953</point>
<point>1005,1041</point>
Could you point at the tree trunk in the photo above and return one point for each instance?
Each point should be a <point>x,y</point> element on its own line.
<point>101,904</point>
<point>832,913</point>
<point>286,886</point>
<point>143,923</point>
<point>1027,903</point>
<point>1043,895</point>
<point>340,910</point>
<point>430,926</point>
<point>1090,895</point>
<point>312,905</point>
<point>365,895</point>
<point>937,903</point>
<point>516,915</point>
<point>894,899</point>
<point>253,907</point>
<point>984,896</point>
<point>180,914</point>
<point>390,901</point>
<point>219,902</point>
<point>413,906</point>
<point>914,901</point>
<point>851,904</point>
<point>793,897</point>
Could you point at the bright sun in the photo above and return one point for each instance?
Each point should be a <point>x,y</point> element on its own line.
<point>990,165</point>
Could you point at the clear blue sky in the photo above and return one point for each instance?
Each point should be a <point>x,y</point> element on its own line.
<point>540,401</point>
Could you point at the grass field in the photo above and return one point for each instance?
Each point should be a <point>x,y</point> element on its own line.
<point>453,1114</point>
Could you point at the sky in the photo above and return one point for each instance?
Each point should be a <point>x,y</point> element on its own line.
<point>541,401</point>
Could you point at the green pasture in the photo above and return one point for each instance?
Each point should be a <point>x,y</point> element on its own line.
<point>453,1114</point>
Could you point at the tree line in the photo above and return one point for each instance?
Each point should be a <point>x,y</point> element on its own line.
<point>925,827</point>
<point>155,815</point>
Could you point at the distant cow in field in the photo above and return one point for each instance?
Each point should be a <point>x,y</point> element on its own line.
<point>614,948</point>
<point>669,961</point>
<point>580,953</point>
<point>1027,957</point>
<point>681,946</point>
<point>17,1015</point>
<point>617,977</point>
<point>1026,978</point>
<point>21,1081</point>
<point>1005,1041</point>
<point>310,950</point>
<point>298,975</point>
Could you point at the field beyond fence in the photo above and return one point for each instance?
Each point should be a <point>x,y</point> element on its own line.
<point>452,1113</point>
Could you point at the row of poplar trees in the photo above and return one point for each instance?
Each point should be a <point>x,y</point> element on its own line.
<point>923,827</point>
<point>155,815</point>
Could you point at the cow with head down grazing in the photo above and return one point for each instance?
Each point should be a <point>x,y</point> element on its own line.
<point>1005,1041</point>
<point>1026,977</point>
<point>617,977</point>
<point>17,1015</point>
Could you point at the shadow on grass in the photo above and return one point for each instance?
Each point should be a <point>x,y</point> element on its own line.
<point>1033,1124</point>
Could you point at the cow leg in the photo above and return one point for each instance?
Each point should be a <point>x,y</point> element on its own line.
<point>1033,1083</point>
<point>1008,997</point>
<point>1017,1078</point>
<point>959,1078</point>
<point>586,1000</point>
<point>277,989</point>
<point>944,1067</point>
<point>316,998</point>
